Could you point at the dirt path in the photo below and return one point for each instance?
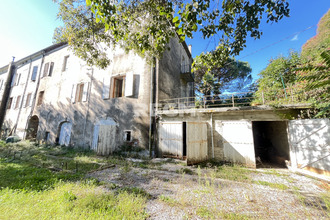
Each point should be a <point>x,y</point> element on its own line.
<point>266,194</point>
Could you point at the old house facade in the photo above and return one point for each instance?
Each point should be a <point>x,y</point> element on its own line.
<point>54,96</point>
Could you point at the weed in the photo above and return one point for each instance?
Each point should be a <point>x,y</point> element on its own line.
<point>273,185</point>
<point>136,191</point>
<point>185,171</point>
<point>170,201</point>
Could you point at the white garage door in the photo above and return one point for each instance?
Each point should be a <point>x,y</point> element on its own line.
<point>170,136</point>
<point>196,142</point>
<point>238,142</point>
<point>310,144</point>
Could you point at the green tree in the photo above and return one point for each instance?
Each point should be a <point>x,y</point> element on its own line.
<point>147,26</point>
<point>279,78</point>
<point>212,77</point>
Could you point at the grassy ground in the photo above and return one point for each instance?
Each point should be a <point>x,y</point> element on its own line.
<point>47,182</point>
<point>40,182</point>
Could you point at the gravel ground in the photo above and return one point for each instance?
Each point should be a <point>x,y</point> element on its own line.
<point>204,196</point>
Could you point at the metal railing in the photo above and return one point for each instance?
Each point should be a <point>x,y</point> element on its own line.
<point>232,100</point>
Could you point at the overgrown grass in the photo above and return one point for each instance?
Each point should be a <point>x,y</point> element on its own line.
<point>71,201</point>
<point>44,182</point>
<point>273,185</point>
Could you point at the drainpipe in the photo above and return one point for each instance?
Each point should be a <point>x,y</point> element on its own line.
<point>22,99</point>
<point>212,141</point>
<point>151,112</point>
<point>88,102</point>
<point>6,93</point>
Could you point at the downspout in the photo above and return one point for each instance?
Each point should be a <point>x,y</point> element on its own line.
<point>151,112</point>
<point>88,104</point>
<point>212,141</point>
<point>6,93</point>
<point>22,99</point>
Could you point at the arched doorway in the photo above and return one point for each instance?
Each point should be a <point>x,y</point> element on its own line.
<point>32,128</point>
<point>65,133</point>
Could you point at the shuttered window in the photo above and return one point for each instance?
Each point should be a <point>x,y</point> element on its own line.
<point>18,102</point>
<point>106,88</point>
<point>79,92</point>
<point>40,97</point>
<point>51,67</point>
<point>27,100</point>
<point>65,63</point>
<point>46,69</point>
<point>10,101</point>
<point>123,85</point>
<point>34,73</point>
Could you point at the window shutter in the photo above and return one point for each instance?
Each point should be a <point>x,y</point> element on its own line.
<point>34,73</point>
<point>31,99</point>
<point>46,68</point>
<point>129,84</point>
<point>51,67</point>
<point>1,83</point>
<point>85,92</point>
<point>18,78</point>
<point>73,93</point>
<point>24,101</point>
<point>13,80</point>
<point>106,88</point>
<point>14,103</point>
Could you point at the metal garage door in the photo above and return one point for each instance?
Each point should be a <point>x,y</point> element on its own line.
<point>310,144</point>
<point>196,142</point>
<point>170,136</point>
<point>238,142</point>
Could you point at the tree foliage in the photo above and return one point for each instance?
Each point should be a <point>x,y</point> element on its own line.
<point>146,26</point>
<point>213,78</point>
<point>306,75</point>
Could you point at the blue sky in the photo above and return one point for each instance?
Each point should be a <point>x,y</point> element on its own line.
<point>27,26</point>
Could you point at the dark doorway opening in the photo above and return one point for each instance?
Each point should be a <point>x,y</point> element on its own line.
<point>271,144</point>
<point>32,128</point>
<point>184,138</point>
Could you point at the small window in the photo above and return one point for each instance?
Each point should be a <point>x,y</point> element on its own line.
<point>128,136</point>
<point>40,97</point>
<point>34,73</point>
<point>65,63</point>
<point>46,68</point>
<point>118,87</point>
<point>47,136</point>
<point>51,67</point>
<point>18,101</point>
<point>79,92</point>
<point>10,101</point>
<point>28,100</point>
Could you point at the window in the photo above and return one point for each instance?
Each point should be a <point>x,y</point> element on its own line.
<point>28,100</point>
<point>65,63</point>
<point>123,85</point>
<point>10,101</point>
<point>34,73</point>
<point>128,136</point>
<point>13,81</point>
<point>18,79</point>
<point>47,136</point>
<point>119,87</point>
<point>40,97</point>
<point>18,101</point>
<point>51,67</point>
<point>79,92</point>
<point>1,83</point>
<point>48,69</point>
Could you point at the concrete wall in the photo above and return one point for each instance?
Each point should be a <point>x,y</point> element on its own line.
<point>170,83</point>
<point>215,117</point>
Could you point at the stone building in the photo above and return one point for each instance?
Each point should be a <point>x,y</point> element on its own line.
<point>53,96</point>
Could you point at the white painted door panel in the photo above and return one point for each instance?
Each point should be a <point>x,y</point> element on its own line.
<point>238,142</point>
<point>65,134</point>
<point>171,142</point>
<point>196,142</point>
